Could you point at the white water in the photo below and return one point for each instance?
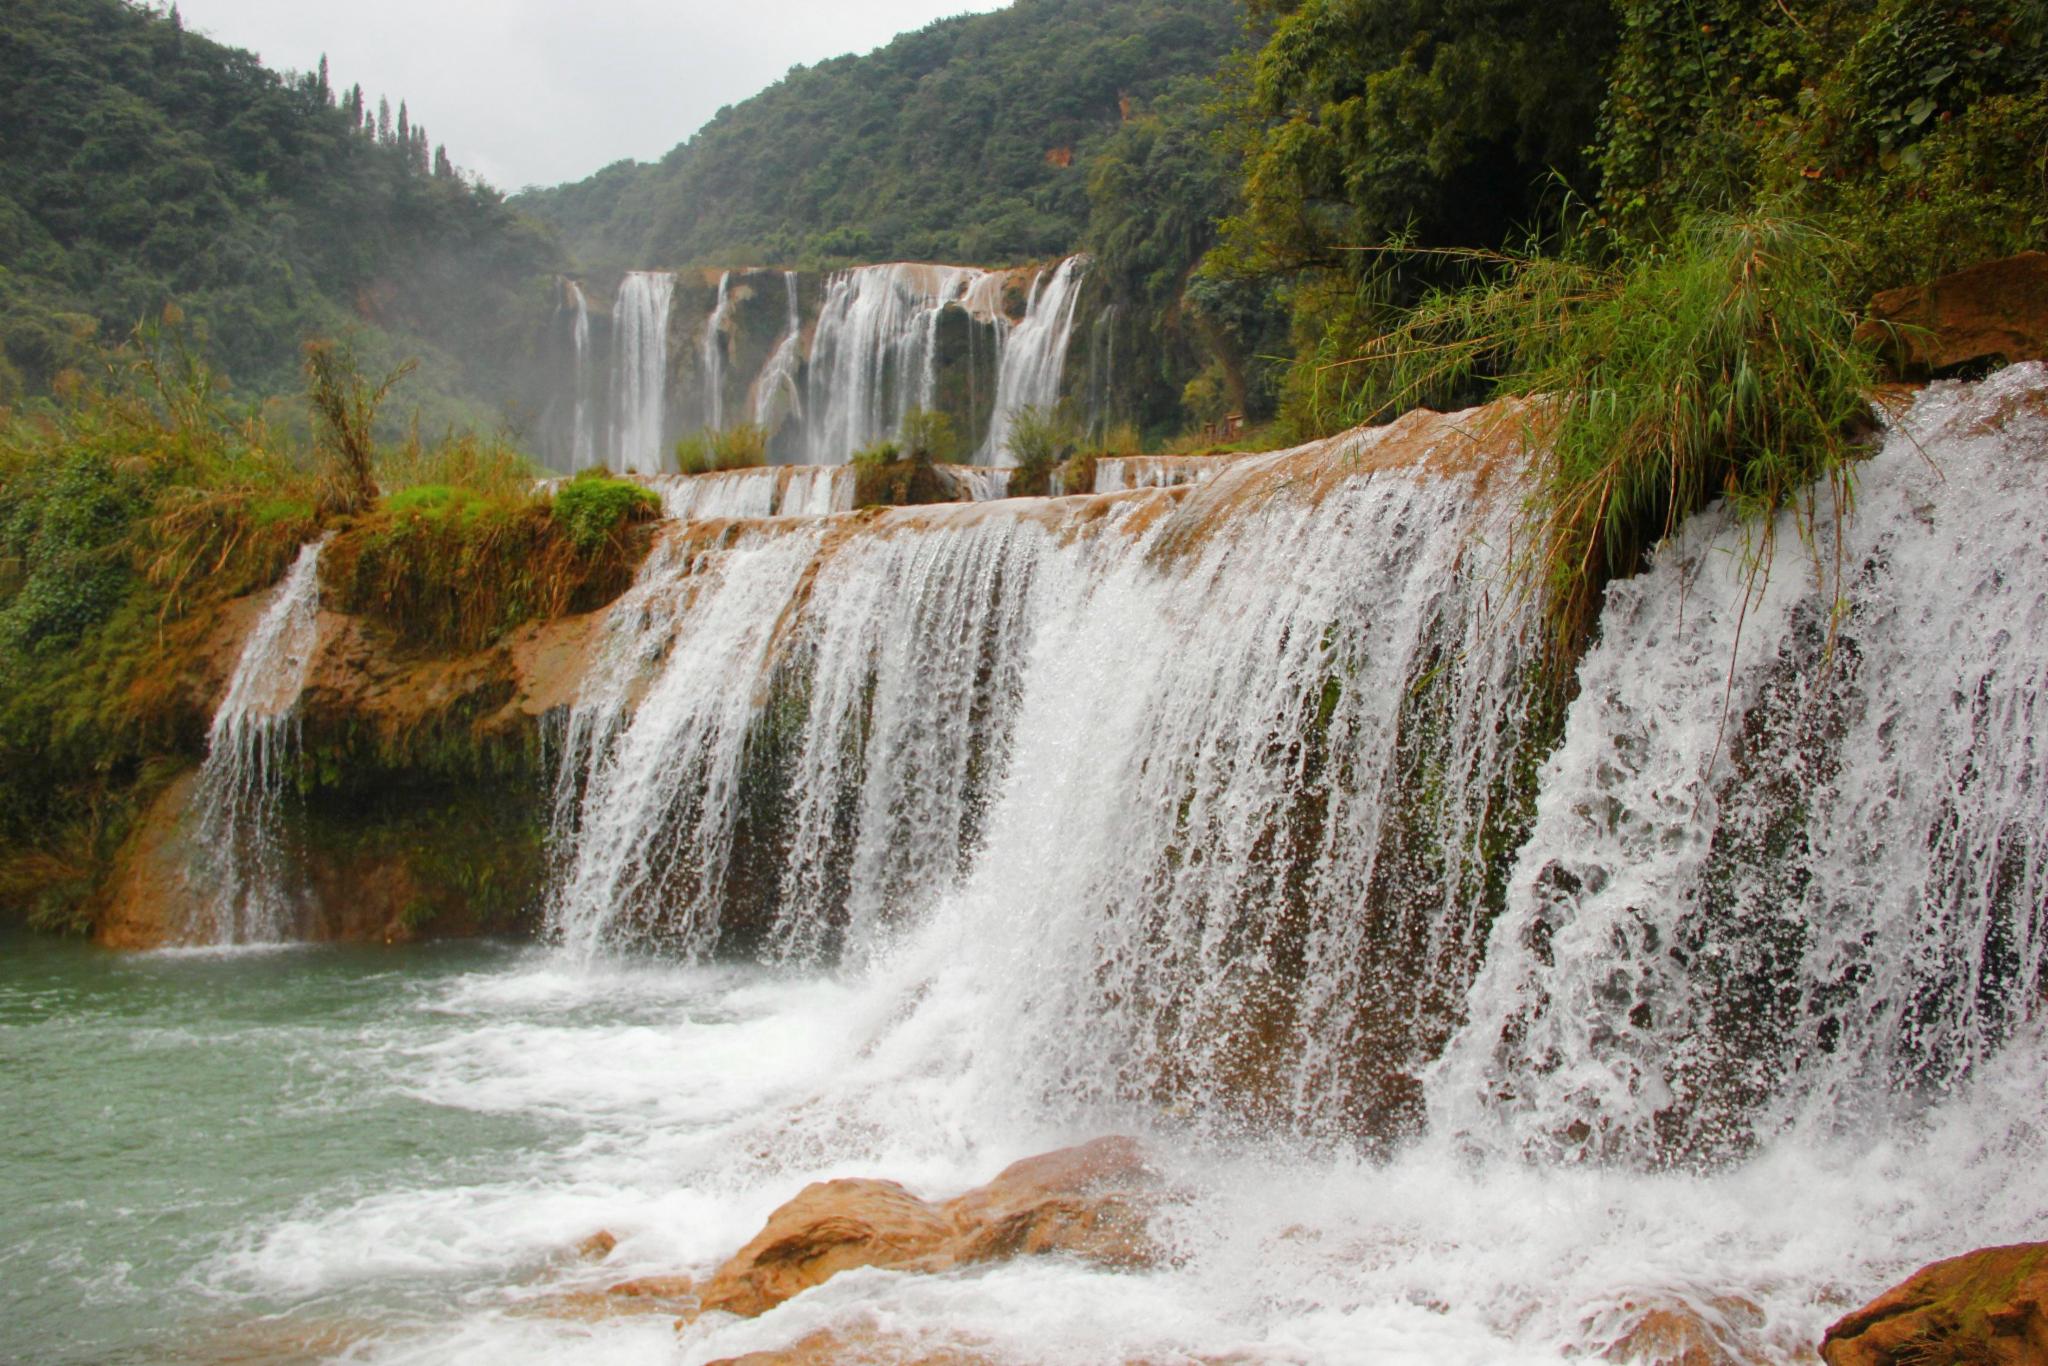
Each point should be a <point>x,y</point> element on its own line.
<point>640,371</point>
<point>1118,473</point>
<point>243,869</point>
<point>711,355</point>
<point>978,483</point>
<point>1032,356</point>
<point>874,357</point>
<point>1102,850</point>
<point>776,396</point>
<point>583,452</point>
<point>766,491</point>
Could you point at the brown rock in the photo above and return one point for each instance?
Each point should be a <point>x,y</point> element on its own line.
<point>597,1246</point>
<point>830,1227</point>
<point>1089,1201</point>
<point>854,1348</point>
<point>1997,310</point>
<point>1987,1308</point>
<point>149,891</point>
<point>1674,1333</point>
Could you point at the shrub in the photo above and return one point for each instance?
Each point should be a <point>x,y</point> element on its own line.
<point>928,436</point>
<point>881,453</point>
<point>1717,363</point>
<point>735,448</point>
<point>592,507</point>
<point>1039,441</point>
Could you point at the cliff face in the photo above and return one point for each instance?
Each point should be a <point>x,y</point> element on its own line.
<point>418,802</point>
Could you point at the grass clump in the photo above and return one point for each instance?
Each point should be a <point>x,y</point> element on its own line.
<point>1040,441</point>
<point>1717,364</point>
<point>735,448</point>
<point>593,507</point>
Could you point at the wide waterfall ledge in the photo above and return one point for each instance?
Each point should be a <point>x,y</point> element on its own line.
<point>1456,1015</point>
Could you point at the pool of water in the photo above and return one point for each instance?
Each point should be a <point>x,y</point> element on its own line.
<point>388,1156</point>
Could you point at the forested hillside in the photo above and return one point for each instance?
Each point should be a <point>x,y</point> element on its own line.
<point>143,164</point>
<point>971,139</point>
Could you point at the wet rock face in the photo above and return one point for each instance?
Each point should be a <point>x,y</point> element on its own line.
<point>1996,311</point>
<point>1987,1308</point>
<point>1091,1202</point>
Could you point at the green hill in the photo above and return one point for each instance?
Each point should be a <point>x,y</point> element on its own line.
<point>143,164</point>
<point>971,139</point>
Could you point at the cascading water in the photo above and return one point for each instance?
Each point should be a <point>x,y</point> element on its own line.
<point>640,321</point>
<point>1032,356</point>
<point>1788,867</point>
<point>243,870</point>
<point>1464,1025</point>
<point>875,354</point>
<point>763,491</point>
<point>583,452</point>
<point>1116,473</point>
<point>711,355</point>
<point>776,396</point>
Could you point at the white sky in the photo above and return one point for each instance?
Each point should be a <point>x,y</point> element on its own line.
<point>535,92</point>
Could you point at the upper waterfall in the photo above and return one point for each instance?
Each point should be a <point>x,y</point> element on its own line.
<point>1031,358</point>
<point>640,320</point>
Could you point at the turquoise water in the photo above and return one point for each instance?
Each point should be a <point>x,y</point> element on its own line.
<point>168,1110</point>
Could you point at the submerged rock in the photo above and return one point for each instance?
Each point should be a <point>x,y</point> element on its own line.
<point>1988,1308</point>
<point>1090,1201</point>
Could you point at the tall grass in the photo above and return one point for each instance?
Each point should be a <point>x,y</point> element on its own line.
<point>1718,363</point>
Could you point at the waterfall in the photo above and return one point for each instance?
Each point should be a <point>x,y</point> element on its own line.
<point>1031,357</point>
<point>875,354</point>
<point>775,391</point>
<point>243,872</point>
<point>766,491</point>
<point>1101,373</point>
<point>1115,473</point>
<point>1788,865</point>
<point>1246,799</point>
<point>583,451</point>
<point>640,321</point>
<point>711,355</point>
<point>1090,726</point>
<point>977,483</point>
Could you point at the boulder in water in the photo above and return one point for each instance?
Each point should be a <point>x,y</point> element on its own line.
<point>1090,1201</point>
<point>1989,1308</point>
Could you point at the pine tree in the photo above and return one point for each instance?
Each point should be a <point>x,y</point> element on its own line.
<point>383,119</point>
<point>326,93</point>
<point>404,126</point>
<point>354,105</point>
<point>444,169</point>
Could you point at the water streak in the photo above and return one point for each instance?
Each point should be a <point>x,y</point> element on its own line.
<point>244,873</point>
<point>640,320</point>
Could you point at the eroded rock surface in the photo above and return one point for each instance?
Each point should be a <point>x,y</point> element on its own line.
<point>1987,1308</point>
<point>1090,1201</point>
<point>1997,310</point>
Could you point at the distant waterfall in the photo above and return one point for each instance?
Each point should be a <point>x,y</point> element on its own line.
<point>1101,379</point>
<point>875,355</point>
<point>583,441</point>
<point>711,355</point>
<point>775,391</point>
<point>244,870</point>
<point>768,491</point>
<point>1032,356</point>
<point>640,320</point>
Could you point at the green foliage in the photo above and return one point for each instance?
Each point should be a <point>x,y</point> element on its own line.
<point>928,436</point>
<point>734,448</point>
<point>487,467</point>
<point>592,508</point>
<point>345,422</point>
<point>1039,441</point>
<point>877,455</point>
<point>144,163</point>
<point>970,139</point>
<point>1719,364</point>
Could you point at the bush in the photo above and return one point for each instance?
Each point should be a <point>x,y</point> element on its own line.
<point>1039,441</point>
<point>1717,363</point>
<point>592,507</point>
<point>928,436</point>
<point>735,448</point>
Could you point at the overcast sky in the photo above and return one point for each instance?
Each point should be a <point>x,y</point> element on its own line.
<point>534,92</point>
